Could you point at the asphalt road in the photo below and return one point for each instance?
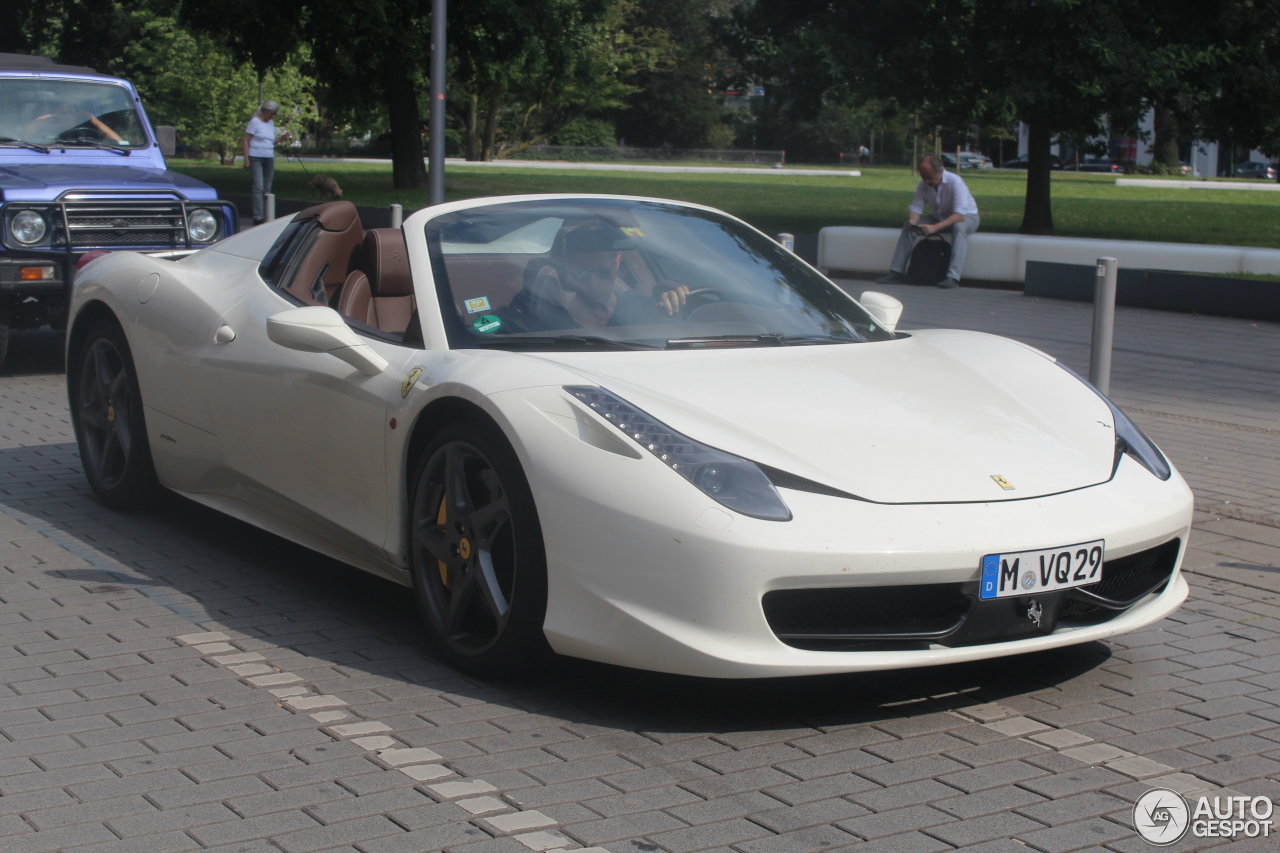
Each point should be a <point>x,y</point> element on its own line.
<point>176,680</point>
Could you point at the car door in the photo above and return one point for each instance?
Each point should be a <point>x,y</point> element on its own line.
<point>302,435</point>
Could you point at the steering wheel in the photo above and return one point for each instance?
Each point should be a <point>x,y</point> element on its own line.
<point>700,296</point>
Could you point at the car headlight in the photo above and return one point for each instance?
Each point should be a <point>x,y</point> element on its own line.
<point>727,479</point>
<point>28,227</point>
<point>1129,438</point>
<point>202,226</point>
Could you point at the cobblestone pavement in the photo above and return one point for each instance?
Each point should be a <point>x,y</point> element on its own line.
<point>176,680</point>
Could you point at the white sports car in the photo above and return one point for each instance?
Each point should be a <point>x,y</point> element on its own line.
<point>630,430</point>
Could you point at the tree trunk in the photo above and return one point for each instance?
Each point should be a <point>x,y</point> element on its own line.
<point>471,133</point>
<point>1165,149</point>
<point>1037,212</point>
<point>491,120</point>
<point>407,169</point>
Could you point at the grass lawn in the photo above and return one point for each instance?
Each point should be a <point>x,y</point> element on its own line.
<point>1083,205</point>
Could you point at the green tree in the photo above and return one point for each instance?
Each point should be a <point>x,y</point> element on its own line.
<point>1061,66</point>
<point>192,81</point>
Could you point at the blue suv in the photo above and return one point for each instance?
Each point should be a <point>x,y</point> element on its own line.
<point>81,169</point>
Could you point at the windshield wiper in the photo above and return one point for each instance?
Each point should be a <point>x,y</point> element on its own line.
<point>768,339</point>
<point>94,143</point>
<point>5,140</point>
<point>583,341</point>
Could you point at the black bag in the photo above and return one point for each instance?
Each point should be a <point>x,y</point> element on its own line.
<point>930,260</point>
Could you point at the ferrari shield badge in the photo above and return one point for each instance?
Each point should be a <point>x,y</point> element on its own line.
<point>1002,482</point>
<point>407,385</point>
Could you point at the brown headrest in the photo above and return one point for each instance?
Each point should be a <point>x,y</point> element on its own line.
<point>333,215</point>
<point>386,261</point>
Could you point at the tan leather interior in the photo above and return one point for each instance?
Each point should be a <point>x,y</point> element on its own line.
<point>379,289</point>
<point>329,259</point>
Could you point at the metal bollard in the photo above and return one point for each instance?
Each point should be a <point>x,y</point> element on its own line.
<point>397,215</point>
<point>788,241</point>
<point>269,208</point>
<point>1104,324</point>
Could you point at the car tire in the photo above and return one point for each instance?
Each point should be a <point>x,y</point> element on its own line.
<point>478,561</point>
<point>111,430</point>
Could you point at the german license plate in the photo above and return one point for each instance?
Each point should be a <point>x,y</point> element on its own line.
<point>1030,572</point>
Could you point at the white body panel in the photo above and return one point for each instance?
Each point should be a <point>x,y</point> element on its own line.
<point>644,569</point>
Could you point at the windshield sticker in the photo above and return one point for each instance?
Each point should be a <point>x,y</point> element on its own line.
<point>409,382</point>
<point>487,323</point>
<point>475,306</point>
<point>632,232</point>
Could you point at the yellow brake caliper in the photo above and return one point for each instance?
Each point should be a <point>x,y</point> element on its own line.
<point>441,519</point>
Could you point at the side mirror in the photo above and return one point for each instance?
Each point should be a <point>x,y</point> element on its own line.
<point>883,307</point>
<point>320,329</point>
<point>167,139</point>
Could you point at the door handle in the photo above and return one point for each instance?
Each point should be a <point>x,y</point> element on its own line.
<point>224,335</point>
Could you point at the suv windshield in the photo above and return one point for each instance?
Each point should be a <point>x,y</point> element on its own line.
<point>41,111</point>
<point>625,274</point>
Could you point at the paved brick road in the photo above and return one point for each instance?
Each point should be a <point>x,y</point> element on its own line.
<point>178,681</point>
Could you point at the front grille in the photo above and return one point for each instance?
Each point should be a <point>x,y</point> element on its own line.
<point>899,617</point>
<point>96,224</point>
<point>1129,579</point>
<point>814,617</point>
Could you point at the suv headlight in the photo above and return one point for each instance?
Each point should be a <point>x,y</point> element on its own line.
<point>727,479</point>
<point>28,227</point>
<point>1129,438</point>
<point>202,226</point>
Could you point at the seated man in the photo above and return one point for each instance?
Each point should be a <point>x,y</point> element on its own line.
<point>583,288</point>
<point>953,209</point>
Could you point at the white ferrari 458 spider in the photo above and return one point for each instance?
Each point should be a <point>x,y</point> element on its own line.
<point>630,430</point>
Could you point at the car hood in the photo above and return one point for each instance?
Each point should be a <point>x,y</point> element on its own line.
<point>47,181</point>
<point>933,418</point>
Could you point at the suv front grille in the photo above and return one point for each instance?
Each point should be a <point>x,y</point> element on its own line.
<point>99,224</point>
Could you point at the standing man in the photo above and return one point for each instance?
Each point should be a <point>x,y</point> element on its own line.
<point>953,208</point>
<point>260,155</point>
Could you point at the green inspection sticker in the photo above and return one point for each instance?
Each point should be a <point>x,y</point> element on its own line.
<point>487,323</point>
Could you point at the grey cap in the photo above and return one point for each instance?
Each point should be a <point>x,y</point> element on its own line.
<point>274,106</point>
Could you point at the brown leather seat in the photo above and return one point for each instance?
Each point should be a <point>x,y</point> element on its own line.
<point>379,292</point>
<point>325,267</point>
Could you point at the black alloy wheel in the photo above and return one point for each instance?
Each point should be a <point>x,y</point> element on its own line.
<point>479,567</point>
<point>107,409</point>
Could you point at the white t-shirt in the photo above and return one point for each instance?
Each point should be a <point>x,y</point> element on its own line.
<point>262,141</point>
<point>951,196</point>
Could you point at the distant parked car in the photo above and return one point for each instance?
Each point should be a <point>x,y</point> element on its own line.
<point>1024,162</point>
<point>1097,164</point>
<point>1254,169</point>
<point>968,160</point>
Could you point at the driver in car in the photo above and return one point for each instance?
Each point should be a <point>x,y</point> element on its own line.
<point>595,293</point>
<point>582,287</point>
<point>66,117</point>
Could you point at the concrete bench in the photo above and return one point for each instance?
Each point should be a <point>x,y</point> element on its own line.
<point>1003,257</point>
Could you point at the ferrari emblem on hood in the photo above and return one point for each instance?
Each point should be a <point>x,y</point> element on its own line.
<point>407,385</point>
<point>1002,482</point>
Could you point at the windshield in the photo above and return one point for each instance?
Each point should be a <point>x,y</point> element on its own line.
<point>68,114</point>
<point>622,274</point>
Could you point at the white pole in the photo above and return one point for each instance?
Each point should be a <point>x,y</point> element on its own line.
<point>270,206</point>
<point>397,215</point>
<point>1104,324</point>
